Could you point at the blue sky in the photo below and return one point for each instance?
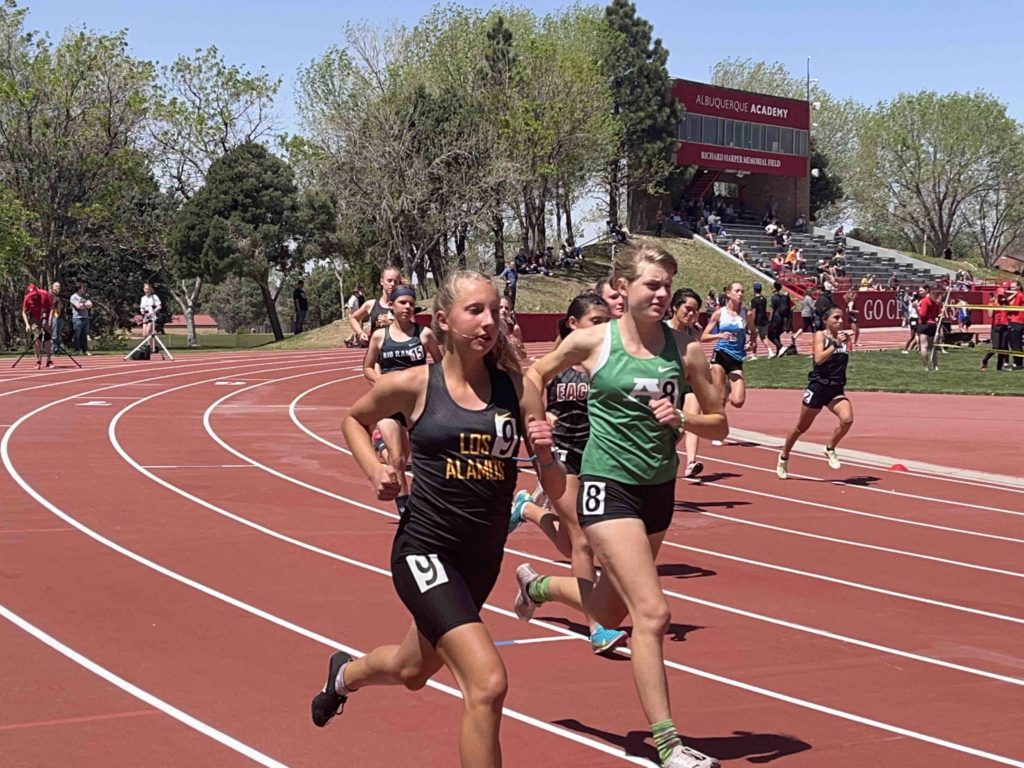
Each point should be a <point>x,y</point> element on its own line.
<point>870,51</point>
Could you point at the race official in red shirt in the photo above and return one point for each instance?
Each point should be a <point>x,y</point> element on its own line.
<point>1015,325</point>
<point>928,310</point>
<point>35,311</point>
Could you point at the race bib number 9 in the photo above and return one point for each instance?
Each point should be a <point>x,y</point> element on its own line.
<point>427,570</point>
<point>506,436</point>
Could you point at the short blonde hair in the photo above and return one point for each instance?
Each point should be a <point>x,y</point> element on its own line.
<point>630,261</point>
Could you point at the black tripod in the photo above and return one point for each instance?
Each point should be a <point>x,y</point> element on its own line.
<point>40,337</point>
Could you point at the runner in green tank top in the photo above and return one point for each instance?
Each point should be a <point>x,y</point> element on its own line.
<point>626,444</point>
<point>639,370</point>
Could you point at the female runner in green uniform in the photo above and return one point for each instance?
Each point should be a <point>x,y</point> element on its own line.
<point>639,371</point>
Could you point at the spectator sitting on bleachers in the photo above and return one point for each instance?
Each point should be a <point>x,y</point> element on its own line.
<point>778,264</point>
<point>801,262</point>
<point>772,228</point>
<point>800,225</point>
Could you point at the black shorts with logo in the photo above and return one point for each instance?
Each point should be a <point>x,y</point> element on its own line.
<point>818,395</point>
<point>601,499</point>
<point>442,590</point>
<point>572,460</point>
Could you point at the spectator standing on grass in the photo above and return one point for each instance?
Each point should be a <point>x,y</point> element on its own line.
<point>300,304</point>
<point>929,309</point>
<point>1000,319</point>
<point>35,311</point>
<point>759,308</point>
<point>149,308</point>
<point>822,304</point>
<point>81,306</point>
<point>59,309</point>
<point>659,223</point>
<point>807,313</point>
<point>779,318</point>
<point>1015,325</point>
<point>511,277</point>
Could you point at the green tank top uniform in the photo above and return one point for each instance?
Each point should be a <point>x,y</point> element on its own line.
<point>626,443</point>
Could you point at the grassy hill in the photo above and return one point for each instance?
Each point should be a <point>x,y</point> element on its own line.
<point>700,268</point>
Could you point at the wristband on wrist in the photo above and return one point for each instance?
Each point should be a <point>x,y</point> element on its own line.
<point>682,417</point>
<point>545,465</point>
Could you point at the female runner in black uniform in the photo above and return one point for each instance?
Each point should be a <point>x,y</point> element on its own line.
<point>566,407</point>
<point>403,344</point>
<point>825,388</point>
<point>464,418</point>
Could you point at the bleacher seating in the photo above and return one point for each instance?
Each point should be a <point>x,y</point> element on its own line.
<point>858,263</point>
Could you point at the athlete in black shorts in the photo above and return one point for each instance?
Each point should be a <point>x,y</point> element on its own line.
<point>825,389</point>
<point>396,347</point>
<point>465,427</point>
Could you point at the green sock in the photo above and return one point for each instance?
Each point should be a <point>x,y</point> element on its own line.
<point>540,589</point>
<point>665,738</point>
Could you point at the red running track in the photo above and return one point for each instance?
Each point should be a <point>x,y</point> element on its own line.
<point>184,543</point>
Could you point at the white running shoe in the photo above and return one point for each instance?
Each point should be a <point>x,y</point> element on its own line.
<point>833,458</point>
<point>525,605</point>
<point>717,442</point>
<point>684,757</point>
<point>693,469</point>
<point>782,468</point>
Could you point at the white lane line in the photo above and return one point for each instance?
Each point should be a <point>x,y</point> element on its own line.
<point>560,630</point>
<point>295,628</point>
<point>847,510</point>
<point>973,505</point>
<point>861,545</point>
<point>199,466</point>
<point>532,640</point>
<point>133,690</point>
<point>852,584</point>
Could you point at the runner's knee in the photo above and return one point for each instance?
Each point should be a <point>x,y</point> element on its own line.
<point>487,690</point>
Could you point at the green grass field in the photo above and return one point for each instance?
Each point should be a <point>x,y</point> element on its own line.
<point>892,371</point>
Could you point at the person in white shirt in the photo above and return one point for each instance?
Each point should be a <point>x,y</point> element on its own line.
<point>149,308</point>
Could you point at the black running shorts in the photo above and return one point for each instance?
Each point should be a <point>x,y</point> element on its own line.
<point>727,361</point>
<point>572,460</point>
<point>818,395</point>
<point>602,499</point>
<point>441,591</point>
<point>926,329</point>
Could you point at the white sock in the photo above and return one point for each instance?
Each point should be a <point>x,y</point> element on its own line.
<point>339,681</point>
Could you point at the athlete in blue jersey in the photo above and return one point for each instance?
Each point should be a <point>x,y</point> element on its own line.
<point>729,327</point>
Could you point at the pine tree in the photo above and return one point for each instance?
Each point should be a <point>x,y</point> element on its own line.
<point>645,107</point>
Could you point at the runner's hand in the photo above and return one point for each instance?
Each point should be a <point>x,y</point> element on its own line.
<point>665,412</point>
<point>539,433</point>
<point>387,486</point>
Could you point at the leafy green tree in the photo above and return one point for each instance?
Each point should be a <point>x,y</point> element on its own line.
<point>203,107</point>
<point>637,70</point>
<point>924,157</point>
<point>237,304</point>
<point>826,187</point>
<point>72,116</point>
<point>243,221</point>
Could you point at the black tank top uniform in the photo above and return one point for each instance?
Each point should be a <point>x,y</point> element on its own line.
<point>447,553</point>
<point>827,380</point>
<point>567,400</point>
<point>376,311</point>
<point>399,355</point>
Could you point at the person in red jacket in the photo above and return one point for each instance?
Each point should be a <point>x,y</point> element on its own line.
<point>1000,319</point>
<point>35,311</point>
<point>929,311</point>
<point>1015,325</point>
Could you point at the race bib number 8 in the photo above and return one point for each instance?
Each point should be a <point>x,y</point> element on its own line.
<point>593,497</point>
<point>506,436</point>
<point>427,570</point>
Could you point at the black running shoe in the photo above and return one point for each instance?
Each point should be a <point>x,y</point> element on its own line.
<point>329,702</point>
